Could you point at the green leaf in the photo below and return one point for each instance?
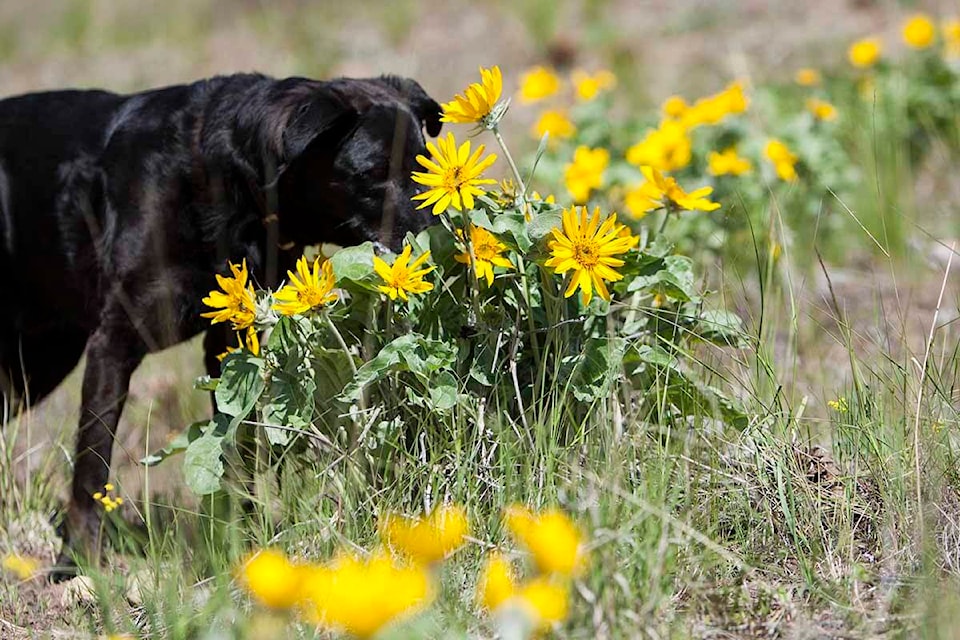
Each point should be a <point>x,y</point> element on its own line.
<point>411,352</point>
<point>720,327</point>
<point>443,392</point>
<point>540,225</point>
<point>241,383</point>
<point>206,383</point>
<point>178,444</point>
<point>596,367</point>
<point>203,464</point>
<point>353,263</point>
<point>289,403</point>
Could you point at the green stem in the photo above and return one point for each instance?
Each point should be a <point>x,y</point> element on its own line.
<point>353,369</point>
<point>513,165</point>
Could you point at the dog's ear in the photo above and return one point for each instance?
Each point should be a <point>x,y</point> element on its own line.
<point>323,116</point>
<point>423,106</point>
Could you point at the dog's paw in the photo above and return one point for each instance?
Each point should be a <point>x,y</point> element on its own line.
<point>64,569</point>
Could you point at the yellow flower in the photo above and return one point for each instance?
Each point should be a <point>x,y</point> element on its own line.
<point>642,198</point>
<point>672,194</point>
<point>308,288</point>
<point>784,161</point>
<point>674,107</point>
<point>667,148</point>
<point>106,500</point>
<point>951,38</point>
<point>554,122</point>
<point>426,539</point>
<point>821,109</point>
<point>21,566</point>
<point>497,582</point>
<point>588,248</point>
<point>486,251</point>
<point>865,53</point>
<point>839,405</point>
<point>361,596</point>
<point>727,162</point>
<point>807,77</point>
<point>236,303</point>
<point>919,31</point>
<point>538,83</point>
<point>545,601</point>
<point>589,86</point>
<point>401,278</point>
<point>585,173</point>
<point>252,343</point>
<point>477,101</point>
<point>551,538</point>
<point>713,109</point>
<point>272,579</point>
<point>452,176</point>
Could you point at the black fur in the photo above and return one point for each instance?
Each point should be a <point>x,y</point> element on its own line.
<point>116,211</point>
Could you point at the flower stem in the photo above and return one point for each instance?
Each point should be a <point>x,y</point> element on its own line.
<point>513,165</point>
<point>362,402</point>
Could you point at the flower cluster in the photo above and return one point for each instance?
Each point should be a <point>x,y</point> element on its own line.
<point>108,501</point>
<point>23,567</point>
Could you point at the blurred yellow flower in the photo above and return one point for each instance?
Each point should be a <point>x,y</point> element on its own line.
<point>727,162</point>
<point>252,343</point>
<point>642,198</point>
<point>361,596</point>
<point>784,161</point>
<point>545,601</point>
<point>821,109</point>
<point>426,539</point>
<point>272,579</point>
<point>667,148</point>
<point>538,83</point>
<point>453,175</point>
<point>865,53</point>
<point>672,195</point>
<point>478,100</point>
<point>713,109</point>
<point>951,37</point>
<point>23,567</point>
<point>487,252</point>
<point>919,31</point>
<point>551,538</point>
<point>556,123</point>
<point>401,278</point>
<point>588,248</point>
<point>236,303</point>
<point>307,288</point>
<point>589,86</point>
<point>807,77</point>
<point>585,173</point>
<point>497,581</point>
<point>839,405</point>
<point>674,107</point>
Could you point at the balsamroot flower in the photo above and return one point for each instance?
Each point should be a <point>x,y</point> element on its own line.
<point>487,252</point>
<point>236,303</point>
<point>361,596</point>
<point>272,579</point>
<point>672,194</point>
<point>307,289</point>
<point>727,162</point>
<point>402,278</point>
<point>478,102</point>
<point>252,343</point>
<point>589,249</point>
<point>426,539</point>
<point>865,53</point>
<point>807,77</point>
<point>667,148</point>
<point>590,86</point>
<point>453,175</point>
<point>551,538</point>
<point>821,109</point>
<point>538,83</point>
<point>554,122</point>
<point>784,161</point>
<point>497,581</point>
<point>543,600</point>
<point>951,38</point>
<point>919,32</point>
<point>22,567</point>
<point>585,173</point>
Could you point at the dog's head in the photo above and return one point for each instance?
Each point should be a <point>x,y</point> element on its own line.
<point>348,148</point>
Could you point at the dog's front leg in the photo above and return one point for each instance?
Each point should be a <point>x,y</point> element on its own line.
<point>113,353</point>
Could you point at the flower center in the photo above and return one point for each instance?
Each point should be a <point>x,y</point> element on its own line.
<point>586,254</point>
<point>453,178</point>
<point>486,251</point>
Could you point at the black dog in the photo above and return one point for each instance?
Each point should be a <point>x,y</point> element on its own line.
<point>116,211</point>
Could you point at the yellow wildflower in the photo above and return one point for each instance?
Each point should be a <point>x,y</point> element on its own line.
<point>713,109</point>
<point>272,579</point>
<point>478,100</point>
<point>589,86</point>
<point>642,198</point>
<point>674,107</point>
<point>236,303</point>
<point>727,162</point>
<point>556,123</point>
<point>807,77</point>
<point>672,194</point>
<point>486,253</point>
<point>667,148</point>
<point>821,109</point>
<point>919,31</point>
<point>23,567</point>
<point>865,53</point>
<point>106,500</point>
<point>452,176</point>
<point>585,173</point>
<point>308,288</point>
<point>426,539</point>
<point>402,278</point>
<point>951,38</point>
<point>551,538</point>
<point>497,582</point>
<point>784,161</point>
<point>361,596</point>
<point>538,83</point>
<point>839,405</point>
<point>252,343</point>
<point>545,601</point>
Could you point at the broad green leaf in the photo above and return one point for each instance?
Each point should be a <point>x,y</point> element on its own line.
<point>178,444</point>
<point>541,224</point>
<point>353,263</point>
<point>241,384</point>
<point>203,464</point>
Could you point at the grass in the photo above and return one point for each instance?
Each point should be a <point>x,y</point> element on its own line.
<point>809,522</point>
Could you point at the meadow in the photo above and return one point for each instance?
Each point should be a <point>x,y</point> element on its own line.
<point>685,366</point>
